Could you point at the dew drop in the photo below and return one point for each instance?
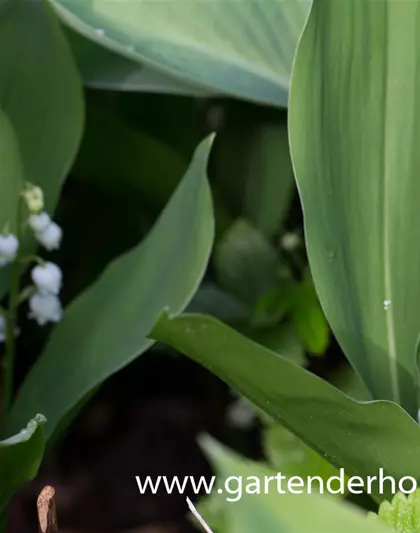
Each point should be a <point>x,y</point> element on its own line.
<point>387,303</point>
<point>100,31</point>
<point>131,48</point>
<point>331,256</point>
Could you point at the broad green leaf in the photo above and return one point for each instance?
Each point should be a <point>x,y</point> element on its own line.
<point>103,69</point>
<point>402,513</point>
<point>11,175</point>
<point>20,457</point>
<point>106,327</point>
<point>354,128</point>
<point>40,92</point>
<point>245,262</point>
<point>41,95</point>
<point>270,185</point>
<point>359,437</point>
<point>270,512</point>
<point>243,49</point>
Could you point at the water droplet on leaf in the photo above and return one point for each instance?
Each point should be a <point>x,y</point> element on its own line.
<point>387,303</point>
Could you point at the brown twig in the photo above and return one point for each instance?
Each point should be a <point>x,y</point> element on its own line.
<point>47,516</point>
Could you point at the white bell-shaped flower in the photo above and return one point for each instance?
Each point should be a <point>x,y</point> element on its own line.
<point>34,198</point>
<point>47,278</point>
<point>9,246</point>
<point>45,308</point>
<point>39,223</point>
<point>51,237</point>
<point>2,328</point>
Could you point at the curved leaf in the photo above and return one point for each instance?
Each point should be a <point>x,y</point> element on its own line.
<point>106,327</point>
<point>354,128</point>
<point>359,437</point>
<point>242,49</point>
<point>40,92</point>
<point>11,175</point>
<point>20,457</point>
<point>41,95</point>
<point>102,68</point>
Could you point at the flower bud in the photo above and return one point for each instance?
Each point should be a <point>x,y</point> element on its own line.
<point>39,223</point>
<point>47,278</point>
<point>45,308</point>
<point>34,198</point>
<point>9,246</point>
<point>51,237</point>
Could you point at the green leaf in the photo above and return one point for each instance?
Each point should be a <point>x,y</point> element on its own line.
<point>41,95</point>
<point>354,126</point>
<point>270,185</point>
<point>117,157</point>
<point>359,437</point>
<point>103,69</point>
<point>11,175</point>
<point>245,262</point>
<point>242,49</point>
<point>272,512</point>
<point>20,457</point>
<point>106,327</point>
<point>40,92</point>
<point>402,514</point>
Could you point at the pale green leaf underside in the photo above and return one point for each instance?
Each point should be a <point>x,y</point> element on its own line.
<point>354,129</point>
<point>101,68</point>
<point>20,457</point>
<point>243,49</point>
<point>359,437</point>
<point>106,327</point>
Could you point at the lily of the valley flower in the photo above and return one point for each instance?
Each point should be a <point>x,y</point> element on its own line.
<point>39,223</point>
<point>50,237</point>
<point>45,308</point>
<point>34,198</point>
<point>47,278</point>
<point>8,248</point>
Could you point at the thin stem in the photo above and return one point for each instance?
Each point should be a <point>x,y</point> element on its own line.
<point>11,317</point>
<point>198,516</point>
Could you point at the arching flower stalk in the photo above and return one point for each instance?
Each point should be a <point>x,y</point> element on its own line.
<point>43,295</point>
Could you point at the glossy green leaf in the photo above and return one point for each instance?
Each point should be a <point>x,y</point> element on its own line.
<point>359,437</point>
<point>354,129</point>
<point>272,512</point>
<point>106,327</point>
<point>102,68</point>
<point>20,457</point>
<point>243,49</point>
<point>10,175</point>
<point>41,95</point>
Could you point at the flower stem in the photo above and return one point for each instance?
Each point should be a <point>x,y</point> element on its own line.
<point>11,318</point>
